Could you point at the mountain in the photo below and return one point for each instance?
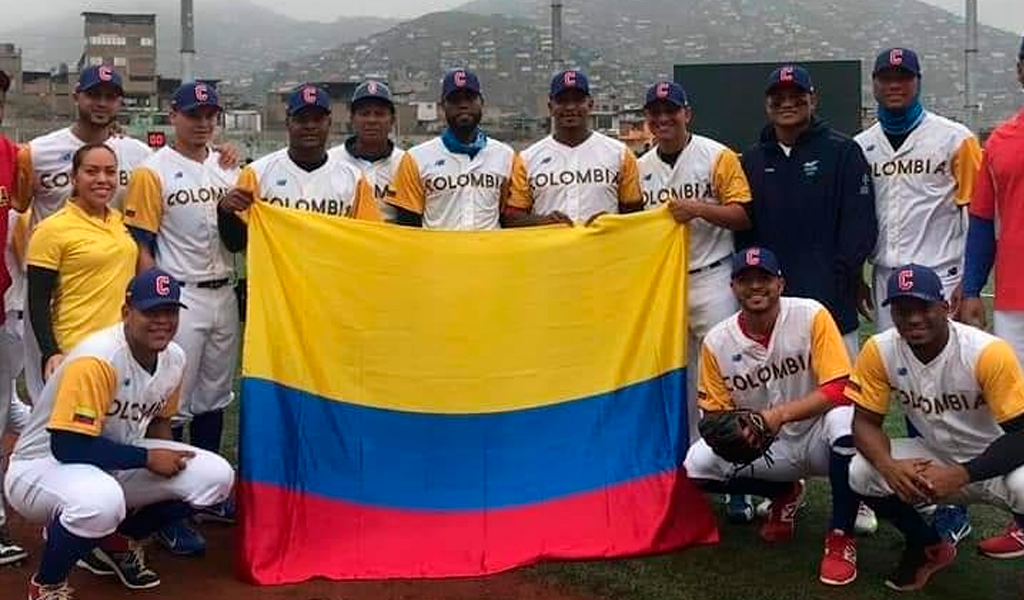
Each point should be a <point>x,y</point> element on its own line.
<point>232,39</point>
<point>635,41</point>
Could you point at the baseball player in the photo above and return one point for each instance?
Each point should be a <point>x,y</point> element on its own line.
<point>785,358</point>
<point>462,178</point>
<point>302,176</point>
<point>964,391</point>
<point>370,150</point>
<point>575,174</point>
<point>97,456</point>
<point>999,191</point>
<point>171,210</point>
<point>924,168</point>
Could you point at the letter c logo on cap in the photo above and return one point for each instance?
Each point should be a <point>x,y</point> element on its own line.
<point>569,79</point>
<point>105,73</point>
<point>754,256</point>
<point>662,90</point>
<point>309,95</point>
<point>459,77</point>
<point>896,56</point>
<point>905,280</point>
<point>162,284</point>
<point>202,92</point>
<point>786,74</point>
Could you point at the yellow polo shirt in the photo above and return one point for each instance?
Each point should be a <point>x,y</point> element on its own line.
<point>94,259</point>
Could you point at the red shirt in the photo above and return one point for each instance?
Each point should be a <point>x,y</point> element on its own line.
<point>999,196</point>
<point>8,172</point>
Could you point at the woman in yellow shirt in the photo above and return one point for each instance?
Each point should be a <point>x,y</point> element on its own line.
<point>80,260</point>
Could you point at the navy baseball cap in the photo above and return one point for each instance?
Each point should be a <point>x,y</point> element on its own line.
<point>458,80</point>
<point>790,75</point>
<point>571,79</point>
<point>372,90</point>
<point>153,288</point>
<point>99,75</point>
<point>193,95</point>
<point>913,281</point>
<point>897,58</point>
<point>306,96</point>
<point>666,91</point>
<point>756,258</point>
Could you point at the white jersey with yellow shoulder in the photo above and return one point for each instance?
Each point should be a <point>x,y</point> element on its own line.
<point>453,190</point>
<point>336,188</point>
<point>705,171</point>
<point>101,390</point>
<point>379,173</point>
<point>805,351</point>
<point>919,191</point>
<point>176,198</point>
<point>579,181</point>
<point>956,401</point>
<point>44,170</point>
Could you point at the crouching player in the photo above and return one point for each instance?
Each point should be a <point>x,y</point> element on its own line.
<point>784,358</point>
<point>97,457</point>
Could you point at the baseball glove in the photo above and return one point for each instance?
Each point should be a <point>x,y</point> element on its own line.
<point>739,436</point>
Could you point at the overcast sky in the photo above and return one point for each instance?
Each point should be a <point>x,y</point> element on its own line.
<point>1008,14</point>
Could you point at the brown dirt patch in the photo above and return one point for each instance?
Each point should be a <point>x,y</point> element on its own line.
<point>212,578</point>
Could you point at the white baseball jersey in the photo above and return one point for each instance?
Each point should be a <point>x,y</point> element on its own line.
<point>336,188</point>
<point>379,173</point>
<point>452,190</point>
<point>579,181</point>
<point>956,401</point>
<point>101,390</point>
<point>805,351</point>
<point>705,171</point>
<point>44,170</point>
<point>176,198</point>
<point>919,191</point>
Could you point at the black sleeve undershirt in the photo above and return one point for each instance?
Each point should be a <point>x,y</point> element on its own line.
<point>232,230</point>
<point>408,218</point>
<point>41,285</point>
<point>1003,456</point>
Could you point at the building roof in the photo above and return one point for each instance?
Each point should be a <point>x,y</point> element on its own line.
<point>121,18</point>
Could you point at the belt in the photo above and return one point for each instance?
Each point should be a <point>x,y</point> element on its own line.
<point>717,263</point>
<point>211,284</point>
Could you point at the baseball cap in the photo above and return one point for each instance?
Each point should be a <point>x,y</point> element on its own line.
<point>306,96</point>
<point>99,75</point>
<point>458,80</point>
<point>571,79</point>
<point>666,91</point>
<point>913,281</point>
<point>153,288</point>
<point>790,75</point>
<point>897,58</point>
<point>193,95</point>
<point>372,90</point>
<point>756,257</point>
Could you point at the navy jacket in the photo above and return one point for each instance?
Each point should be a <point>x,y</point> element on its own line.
<point>815,209</point>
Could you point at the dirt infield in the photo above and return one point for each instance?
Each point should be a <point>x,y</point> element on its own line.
<point>212,578</point>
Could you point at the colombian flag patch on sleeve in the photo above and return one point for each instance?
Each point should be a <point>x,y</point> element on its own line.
<point>84,415</point>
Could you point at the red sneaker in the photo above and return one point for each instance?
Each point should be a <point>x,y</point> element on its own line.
<point>780,526</point>
<point>58,591</point>
<point>1008,545</point>
<point>919,564</point>
<point>839,565</point>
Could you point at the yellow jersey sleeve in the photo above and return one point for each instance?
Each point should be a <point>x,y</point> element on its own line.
<point>1002,384</point>
<point>409,192</point>
<point>728,179</point>
<point>517,192</point>
<point>171,406</point>
<point>366,208</point>
<point>965,166</point>
<point>712,394</point>
<point>143,202</point>
<point>248,181</point>
<point>86,388</point>
<point>629,180</point>
<point>869,385</point>
<point>828,352</point>
<point>23,185</point>
<point>46,245</point>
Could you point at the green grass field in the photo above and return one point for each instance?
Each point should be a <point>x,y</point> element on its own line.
<point>743,567</point>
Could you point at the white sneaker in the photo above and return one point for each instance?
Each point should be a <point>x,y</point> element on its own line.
<point>867,522</point>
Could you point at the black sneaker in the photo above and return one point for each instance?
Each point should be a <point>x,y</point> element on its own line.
<point>10,552</point>
<point>130,567</point>
<point>93,563</point>
<point>918,565</point>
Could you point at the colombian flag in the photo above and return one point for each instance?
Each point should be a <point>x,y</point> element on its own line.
<point>436,404</point>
